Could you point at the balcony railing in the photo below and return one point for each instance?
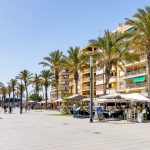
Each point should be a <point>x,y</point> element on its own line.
<point>136,85</point>
<point>86,79</point>
<point>86,70</point>
<point>141,58</point>
<point>133,73</point>
<point>86,88</point>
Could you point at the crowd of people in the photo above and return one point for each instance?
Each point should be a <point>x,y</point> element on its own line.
<point>8,107</point>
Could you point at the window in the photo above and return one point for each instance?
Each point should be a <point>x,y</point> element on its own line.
<point>99,77</point>
<point>121,73</point>
<point>121,84</point>
<point>100,87</point>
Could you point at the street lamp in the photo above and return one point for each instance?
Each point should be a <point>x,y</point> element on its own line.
<point>21,97</point>
<point>91,89</point>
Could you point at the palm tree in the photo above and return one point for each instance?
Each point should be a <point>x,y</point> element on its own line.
<point>141,35</point>
<point>26,76</point>
<point>18,90</point>
<point>3,92</point>
<point>9,89</point>
<point>46,76</point>
<point>74,62</point>
<point>13,83</point>
<point>37,83</point>
<point>55,62</point>
<point>113,50</point>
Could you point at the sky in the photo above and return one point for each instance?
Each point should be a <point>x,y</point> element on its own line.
<point>31,29</point>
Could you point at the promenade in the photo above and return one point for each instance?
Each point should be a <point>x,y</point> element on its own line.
<point>40,130</point>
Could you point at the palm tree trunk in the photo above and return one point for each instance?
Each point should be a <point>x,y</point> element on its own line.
<point>2,102</point>
<point>9,97</point>
<point>13,97</point>
<point>108,68</point>
<point>57,84</point>
<point>76,82</point>
<point>46,97</point>
<point>148,59</point>
<point>76,77</point>
<point>57,91</point>
<point>26,94</point>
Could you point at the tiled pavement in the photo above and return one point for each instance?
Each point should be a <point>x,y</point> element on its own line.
<point>41,131</point>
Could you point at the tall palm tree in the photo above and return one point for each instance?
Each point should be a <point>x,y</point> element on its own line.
<point>74,62</point>
<point>37,83</point>
<point>141,35</point>
<point>18,90</point>
<point>113,49</point>
<point>26,76</point>
<point>54,61</point>
<point>3,92</point>
<point>13,83</point>
<point>9,89</point>
<point>46,76</point>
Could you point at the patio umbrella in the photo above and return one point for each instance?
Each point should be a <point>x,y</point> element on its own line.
<point>135,97</point>
<point>31,101</point>
<point>111,96</point>
<point>76,97</point>
<point>88,99</point>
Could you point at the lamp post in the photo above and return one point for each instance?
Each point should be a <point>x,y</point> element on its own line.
<point>21,97</point>
<point>91,89</point>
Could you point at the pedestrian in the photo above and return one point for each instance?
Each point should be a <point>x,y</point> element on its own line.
<point>10,108</point>
<point>5,108</point>
<point>74,107</point>
<point>26,107</point>
<point>100,112</point>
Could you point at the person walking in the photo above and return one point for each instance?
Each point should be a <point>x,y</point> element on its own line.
<point>10,108</point>
<point>26,107</point>
<point>100,113</point>
<point>74,107</point>
<point>5,109</point>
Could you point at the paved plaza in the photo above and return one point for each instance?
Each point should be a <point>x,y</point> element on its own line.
<point>40,130</point>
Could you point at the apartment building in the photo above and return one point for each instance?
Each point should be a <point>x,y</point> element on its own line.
<point>84,77</point>
<point>63,88</point>
<point>133,78</point>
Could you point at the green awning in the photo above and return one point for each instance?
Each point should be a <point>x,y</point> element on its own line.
<point>139,79</point>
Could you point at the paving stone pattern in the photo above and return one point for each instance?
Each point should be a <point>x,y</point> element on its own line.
<point>39,130</point>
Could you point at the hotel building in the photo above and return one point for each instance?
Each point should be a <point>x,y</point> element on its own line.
<point>132,79</point>
<point>63,89</point>
<point>84,77</point>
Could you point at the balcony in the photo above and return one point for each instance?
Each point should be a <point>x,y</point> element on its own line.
<point>135,73</point>
<point>87,79</point>
<point>86,88</point>
<point>137,85</point>
<point>111,91</point>
<point>99,71</point>
<point>113,79</point>
<point>142,58</point>
<point>100,92</point>
<point>86,71</point>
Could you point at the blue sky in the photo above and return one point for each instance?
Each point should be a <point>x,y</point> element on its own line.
<point>30,29</point>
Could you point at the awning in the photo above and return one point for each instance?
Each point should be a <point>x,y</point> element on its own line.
<point>76,97</point>
<point>135,97</point>
<point>139,79</point>
<point>111,96</point>
<point>88,99</point>
<point>129,79</point>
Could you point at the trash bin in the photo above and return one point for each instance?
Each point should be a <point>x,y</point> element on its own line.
<point>140,117</point>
